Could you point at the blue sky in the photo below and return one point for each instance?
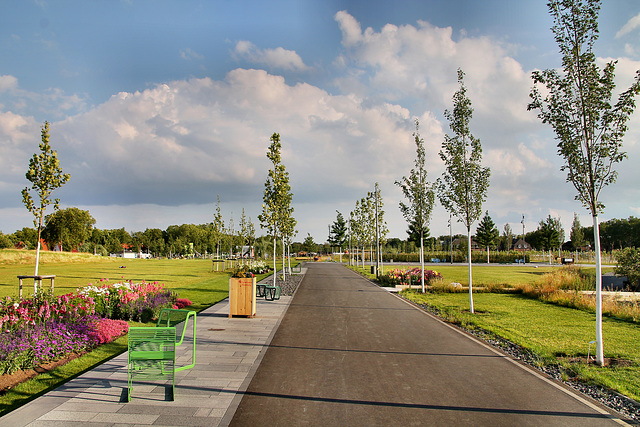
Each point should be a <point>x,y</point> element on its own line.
<point>158,107</point>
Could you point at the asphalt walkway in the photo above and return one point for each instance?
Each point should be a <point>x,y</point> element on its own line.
<point>349,353</point>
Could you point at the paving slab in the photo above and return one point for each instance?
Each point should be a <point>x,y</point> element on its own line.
<point>228,351</point>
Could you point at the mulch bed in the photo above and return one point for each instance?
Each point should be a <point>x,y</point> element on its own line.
<point>8,381</point>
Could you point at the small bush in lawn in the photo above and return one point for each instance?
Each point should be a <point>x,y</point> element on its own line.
<point>629,265</point>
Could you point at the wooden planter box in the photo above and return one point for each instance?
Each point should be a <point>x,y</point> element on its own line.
<point>242,296</point>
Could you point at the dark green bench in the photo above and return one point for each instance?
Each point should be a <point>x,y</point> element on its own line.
<point>272,292</point>
<point>152,351</point>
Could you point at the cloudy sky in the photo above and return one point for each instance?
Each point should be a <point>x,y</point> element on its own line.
<point>159,107</point>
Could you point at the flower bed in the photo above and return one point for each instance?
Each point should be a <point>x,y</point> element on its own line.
<point>46,327</point>
<point>397,277</point>
<point>129,301</point>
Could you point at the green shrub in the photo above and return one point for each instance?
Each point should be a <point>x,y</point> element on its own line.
<point>629,265</point>
<point>477,257</point>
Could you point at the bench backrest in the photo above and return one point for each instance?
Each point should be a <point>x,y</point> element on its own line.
<point>179,319</point>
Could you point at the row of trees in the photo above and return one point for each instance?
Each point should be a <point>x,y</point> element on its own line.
<point>73,229</point>
<point>365,228</point>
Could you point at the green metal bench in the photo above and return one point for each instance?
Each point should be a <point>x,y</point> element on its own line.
<point>272,292</point>
<point>260,289</point>
<point>152,351</point>
<point>297,268</point>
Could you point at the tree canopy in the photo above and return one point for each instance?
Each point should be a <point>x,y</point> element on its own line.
<point>45,175</point>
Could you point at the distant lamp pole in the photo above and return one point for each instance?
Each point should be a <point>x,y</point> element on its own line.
<point>524,244</point>
<point>450,241</point>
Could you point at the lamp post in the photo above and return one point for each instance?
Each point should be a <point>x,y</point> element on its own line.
<point>450,241</point>
<point>523,242</point>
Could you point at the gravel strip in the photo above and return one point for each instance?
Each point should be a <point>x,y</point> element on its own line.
<point>288,286</point>
<point>625,406</point>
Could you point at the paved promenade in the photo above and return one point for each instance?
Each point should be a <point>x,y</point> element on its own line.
<point>228,353</point>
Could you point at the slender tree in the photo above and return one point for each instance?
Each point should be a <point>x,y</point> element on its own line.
<point>420,195</point>
<point>576,235</point>
<point>507,234</point>
<point>380,229</point>
<point>45,175</point>
<point>589,127</point>
<point>218,230</point>
<point>277,212</point>
<point>358,223</point>
<point>548,235</point>
<point>487,233</point>
<point>463,187</point>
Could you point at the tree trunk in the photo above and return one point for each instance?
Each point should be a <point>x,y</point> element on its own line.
<point>422,262</point>
<point>284,261</point>
<point>37,253</point>
<point>274,261</point>
<point>599,344</point>
<point>470,274</point>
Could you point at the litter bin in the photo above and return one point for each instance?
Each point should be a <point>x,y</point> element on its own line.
<point>373,269</point>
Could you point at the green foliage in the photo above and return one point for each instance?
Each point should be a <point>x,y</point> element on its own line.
<point>629,265</point>
<point>338,231</point>
<point>45,175</point>
<point>5,241</point>
<point>458,257</point>
<point>70,227</point>
<point>277,212</point>
<point>548,233</point>
<point>375,206</point>
<point>463,187</point>
<point>577,102</point>
<point>309,244</point>
<point>577,234</point>
<point>487,233</point>
<point>419,192</point>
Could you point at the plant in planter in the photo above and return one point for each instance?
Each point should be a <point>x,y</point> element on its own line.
<point>241,271</point>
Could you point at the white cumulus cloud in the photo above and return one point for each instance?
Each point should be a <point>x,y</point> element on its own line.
<point>278,58</point>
